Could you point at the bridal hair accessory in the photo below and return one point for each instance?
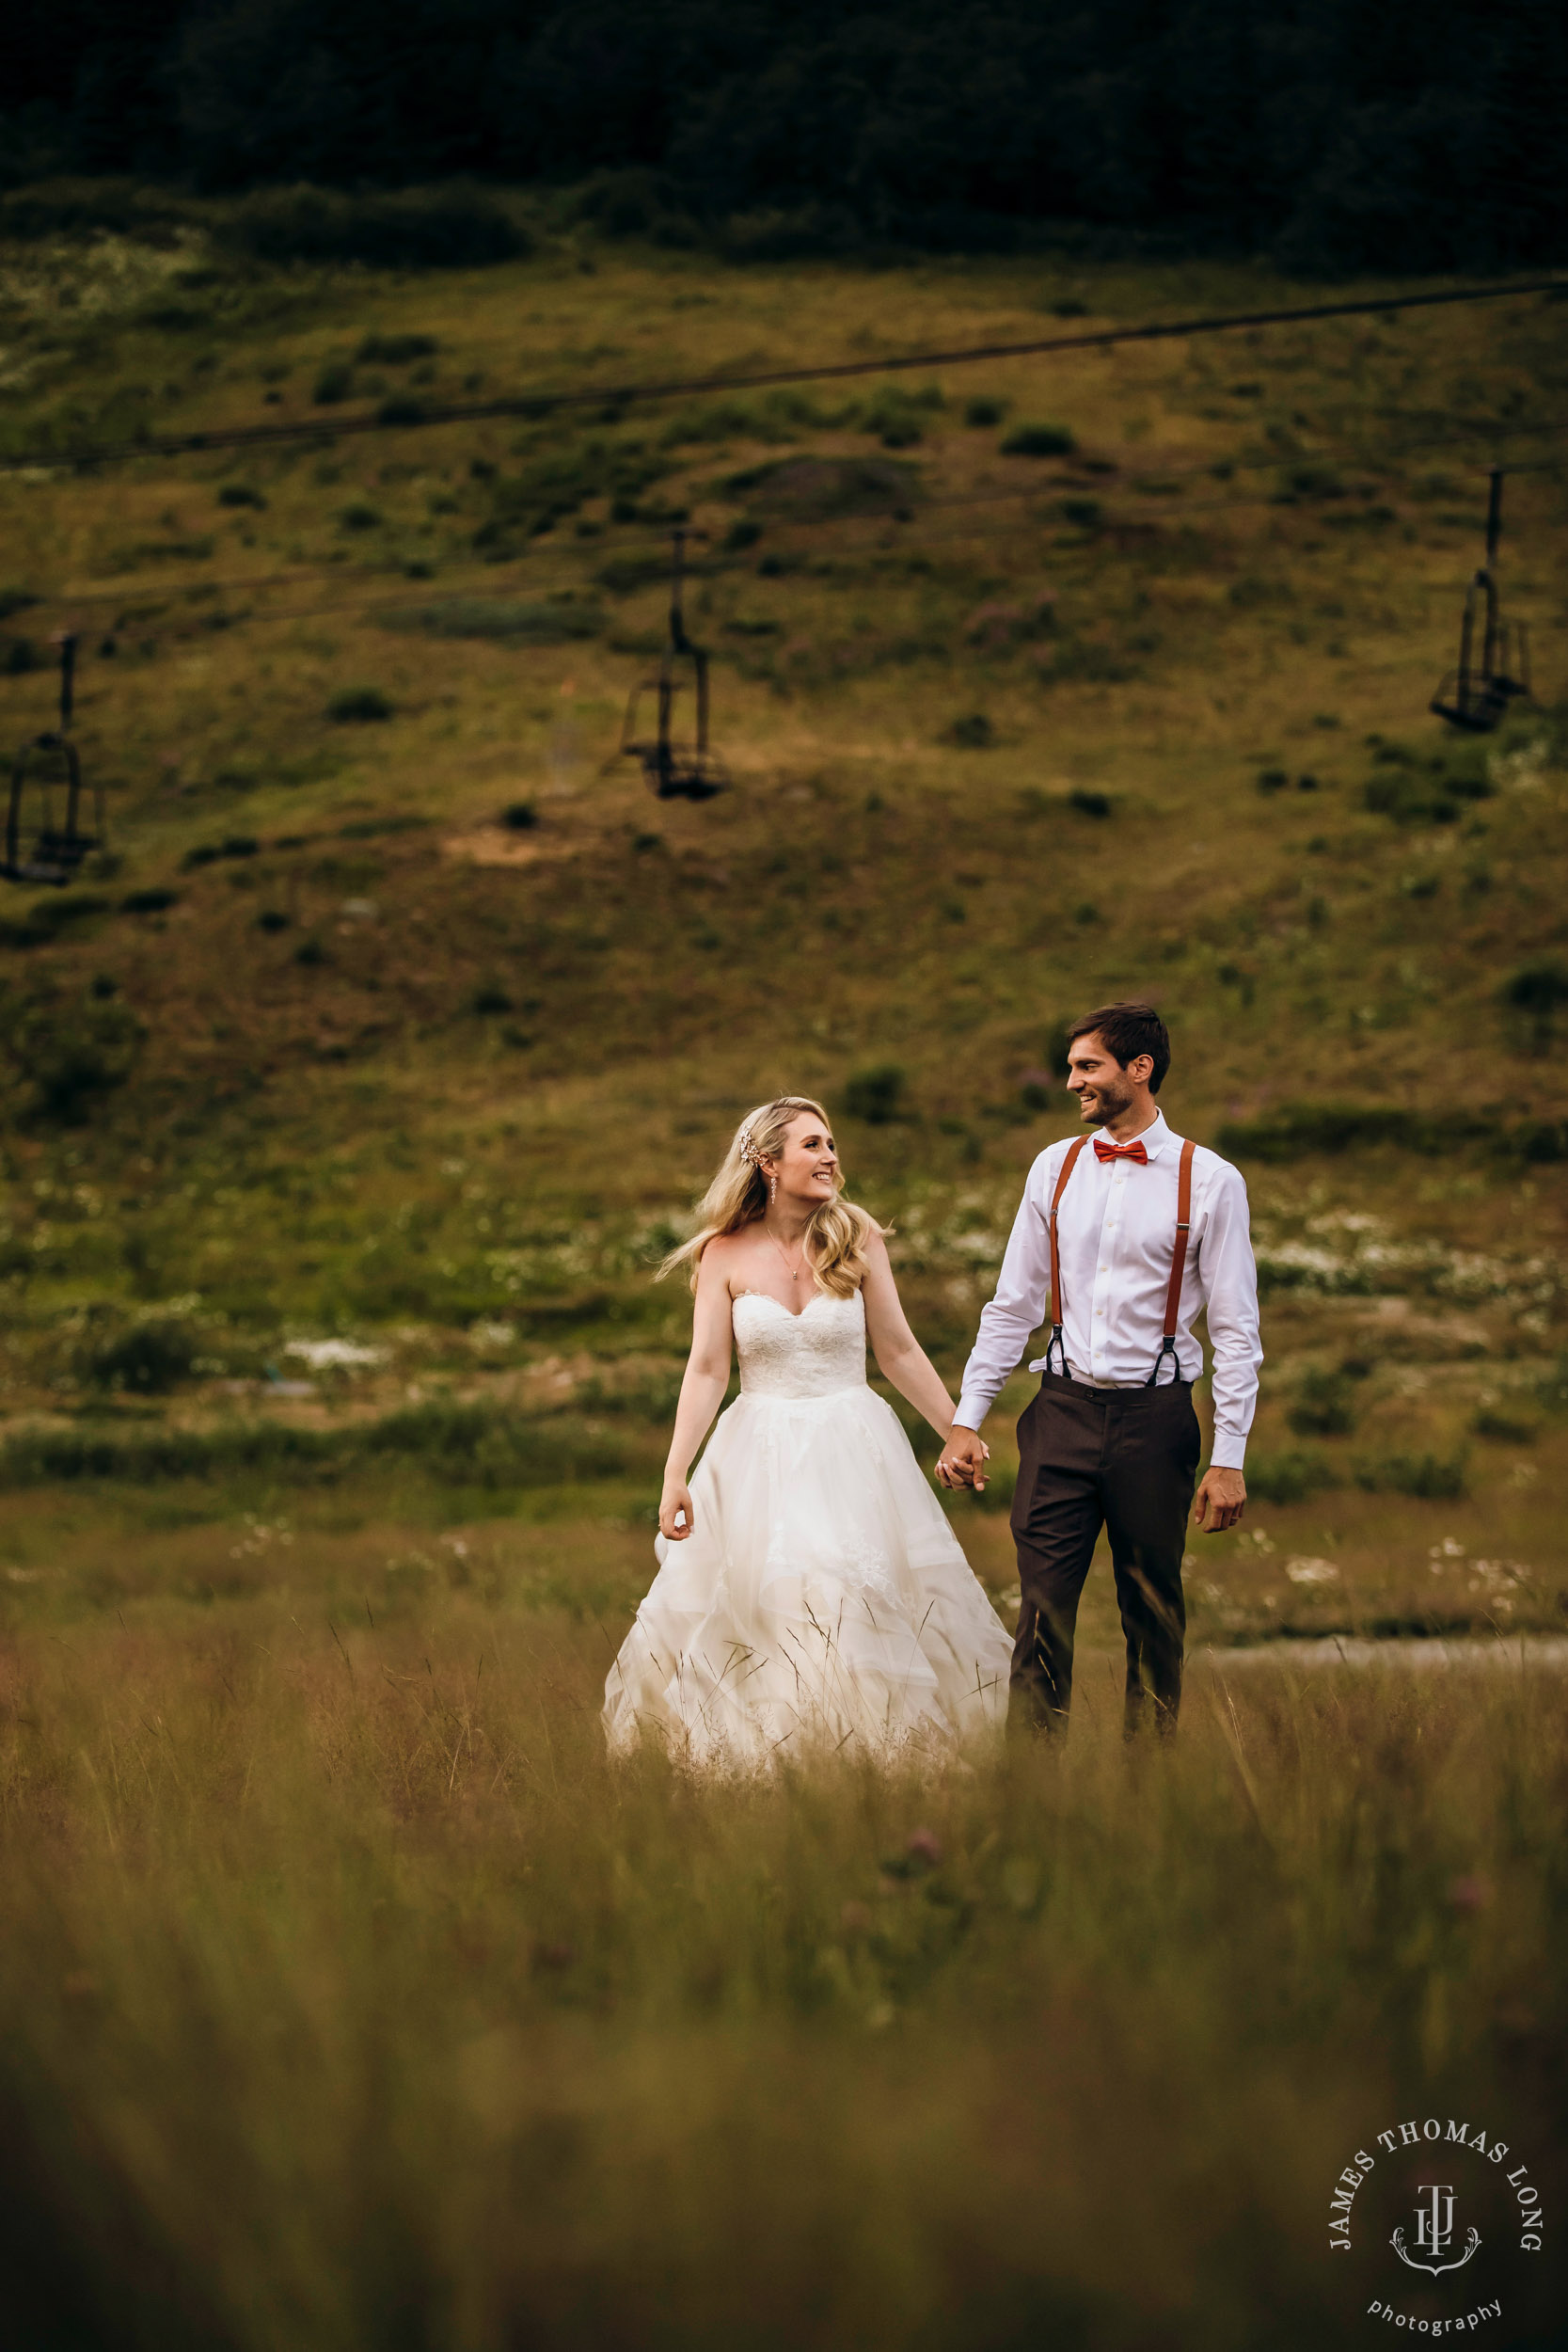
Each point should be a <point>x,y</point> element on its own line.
<point>748,1149</point>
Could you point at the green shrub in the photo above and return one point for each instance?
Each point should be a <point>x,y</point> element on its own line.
<point>358,706</point>
<point>1504,1428</point>
<point>974,732</point>
<point>450,228</point>
<point>1433,1477</point>
<point>520,815</point>
<point>1539,990</point>
<point>876,1094</point>
<point>156,899</point>
<point>395,351</point>
<point>240,494</point>
<point>461,1445</point>
<point>1287,1477</point>
<point>983,410</point>
<point>1088,803</point>
<point>334,383</point>
<point>360,516</point>
<point>72,1053</point>
<point>65,913</point>
<point>65,207</point>
<point>1309,481</point>
<point>629,200</point>
<point>897,416</point>
<point>1040,441</point>
<point>1323,1406</point>
<point>1295,1129</point>
<point>1413,788</point>
<point>150,1359</point>
<point>555,482</point>
<point>1542,1141</point>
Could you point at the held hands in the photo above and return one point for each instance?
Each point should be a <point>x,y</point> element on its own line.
<point>963,1460</point>
<point>1221,1501</point>
<point>675,1504</point>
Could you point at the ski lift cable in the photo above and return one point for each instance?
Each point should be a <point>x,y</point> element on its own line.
<point>632,535</point>
<point>418,415</point>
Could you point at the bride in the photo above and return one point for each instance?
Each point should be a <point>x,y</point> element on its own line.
<point>810,1593</point>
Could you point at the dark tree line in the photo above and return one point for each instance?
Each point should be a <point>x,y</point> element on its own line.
<point>1410,133</point>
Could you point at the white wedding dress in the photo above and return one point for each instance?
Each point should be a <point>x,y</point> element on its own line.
<point>822,1600</point>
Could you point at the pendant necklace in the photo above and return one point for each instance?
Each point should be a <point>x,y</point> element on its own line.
<point>796,1274</point>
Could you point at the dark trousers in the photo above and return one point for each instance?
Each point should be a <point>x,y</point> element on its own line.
<point>1125,1459</point>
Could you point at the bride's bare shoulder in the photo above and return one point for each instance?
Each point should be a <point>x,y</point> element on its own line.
<point>727,1252</point>
<point>873,1249</point>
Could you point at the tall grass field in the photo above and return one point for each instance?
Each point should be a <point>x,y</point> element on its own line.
<point>359,1079</point>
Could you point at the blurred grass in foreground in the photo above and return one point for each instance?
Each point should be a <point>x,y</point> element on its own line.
<point>352,2000</point>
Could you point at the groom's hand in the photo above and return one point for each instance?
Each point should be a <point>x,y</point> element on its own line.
<point>1221,1501</point>
<point>963,1459</point>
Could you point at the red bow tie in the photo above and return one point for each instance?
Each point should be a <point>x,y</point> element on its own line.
<point>1133,1150</point>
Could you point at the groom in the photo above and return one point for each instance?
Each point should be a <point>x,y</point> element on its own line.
<point>1128,1242</point>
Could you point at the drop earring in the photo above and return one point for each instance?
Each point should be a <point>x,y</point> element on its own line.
<point>772,1189</point>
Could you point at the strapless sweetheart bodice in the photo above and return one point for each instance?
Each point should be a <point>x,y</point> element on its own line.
<point>819,1352</point>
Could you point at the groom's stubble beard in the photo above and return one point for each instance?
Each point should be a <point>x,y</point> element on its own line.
<point>1107,1101</point>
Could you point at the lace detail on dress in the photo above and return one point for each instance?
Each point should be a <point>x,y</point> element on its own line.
<point>819,1352</point>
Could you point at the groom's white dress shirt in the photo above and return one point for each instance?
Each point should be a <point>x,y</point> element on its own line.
<point>1116,1230</point>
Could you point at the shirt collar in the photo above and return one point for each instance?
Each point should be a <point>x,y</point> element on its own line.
<point>1154,1139</point>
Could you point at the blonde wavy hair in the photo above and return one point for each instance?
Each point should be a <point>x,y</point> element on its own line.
<point>737,1197</point>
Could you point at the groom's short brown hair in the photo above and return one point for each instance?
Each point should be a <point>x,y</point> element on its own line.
<point>1126,1031</point>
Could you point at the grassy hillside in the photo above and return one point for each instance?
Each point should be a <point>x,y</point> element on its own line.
<point>326,1046</point>
<point>355,1089</point>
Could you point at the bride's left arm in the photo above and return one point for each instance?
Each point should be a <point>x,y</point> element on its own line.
<point>899,1355</point>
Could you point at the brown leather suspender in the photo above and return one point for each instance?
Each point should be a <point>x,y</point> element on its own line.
<point>1069,1164</point>
<point>1178,1263</point>
<point>1178,1267</point>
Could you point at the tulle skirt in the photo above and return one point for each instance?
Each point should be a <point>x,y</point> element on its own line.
<point>822,1601</point>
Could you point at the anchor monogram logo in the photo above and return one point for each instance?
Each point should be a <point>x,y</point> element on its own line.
<point>1434,2234</point>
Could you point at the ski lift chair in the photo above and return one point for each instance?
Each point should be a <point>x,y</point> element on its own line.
<point>53,765</point>
<point>675,770</point>
<point>1477,699</point>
